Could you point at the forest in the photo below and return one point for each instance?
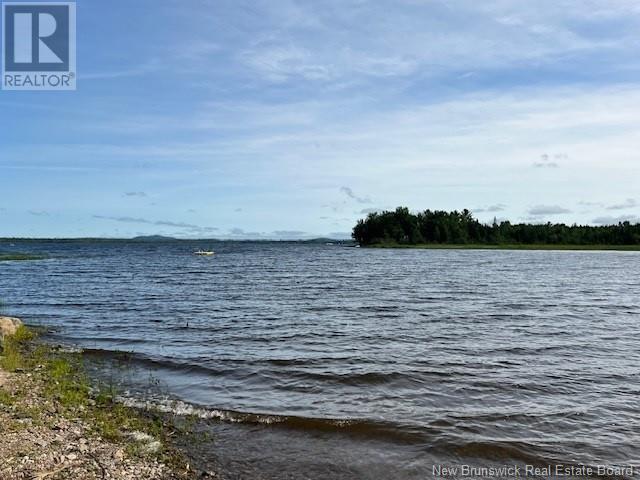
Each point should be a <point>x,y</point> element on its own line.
<point>401,227</point>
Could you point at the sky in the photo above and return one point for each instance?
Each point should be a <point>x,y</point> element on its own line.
<point>292,119</point>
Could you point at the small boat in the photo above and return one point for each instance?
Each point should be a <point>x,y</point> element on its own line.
<point>204,253</point>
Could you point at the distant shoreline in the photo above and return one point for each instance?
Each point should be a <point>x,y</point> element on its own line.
<point>19,257</point>
<point>445,246</point>
<point>319,240</point>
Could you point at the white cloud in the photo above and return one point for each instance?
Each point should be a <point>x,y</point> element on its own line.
<point>395,39</point>
<point>609,220</point>
<point>278,103</point>
<point>498,207</point>
<point>189,227</point>
<point>542,210</point>
<point>279,63</point>
<point>628,203</point>
<point>447,154</point>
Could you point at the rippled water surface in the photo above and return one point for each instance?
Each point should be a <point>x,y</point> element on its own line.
<point>357,363</point>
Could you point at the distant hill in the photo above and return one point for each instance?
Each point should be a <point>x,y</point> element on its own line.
<point>152,238</point>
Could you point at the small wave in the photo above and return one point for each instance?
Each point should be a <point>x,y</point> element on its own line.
<point>497,450</point>
<point>525,453</point>
<point>148,361</point>
<point>355,378</point>
<point>355,427</point>
<point>349,379</point>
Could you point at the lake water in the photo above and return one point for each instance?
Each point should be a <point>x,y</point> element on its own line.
<point>320,361</point>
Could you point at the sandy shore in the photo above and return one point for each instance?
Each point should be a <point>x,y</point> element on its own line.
<point>51,429</point>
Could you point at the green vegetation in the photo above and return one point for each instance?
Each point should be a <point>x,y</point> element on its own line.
<point>440,229</point>
<point>6,398</point>
<point>66,385</point>
<point>505,246</point>
<point>20,257</point>
<point>12,349</point>
<point>71,387</point>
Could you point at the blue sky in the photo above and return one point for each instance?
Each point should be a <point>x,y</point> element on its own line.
<point>292,118</point>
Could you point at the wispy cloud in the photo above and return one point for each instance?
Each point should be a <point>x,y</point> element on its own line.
<point>610,220</point>
<point>545,165</point>
<point>159,223</point>
<point>349,193</point>
<point>279,63</point>
<point>274,105</point>
<point>367,211</point>
<point>141,69</point>
<point>628,203</point>
<point>240,233</point>
<point>348,39</point>
<point>586,203</point>
<point>547,162</point>
<point>38,213</point>
<point>541,210</point>
<point>498,207</point>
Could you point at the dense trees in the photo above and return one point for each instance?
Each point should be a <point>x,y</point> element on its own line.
<point>440,227</point>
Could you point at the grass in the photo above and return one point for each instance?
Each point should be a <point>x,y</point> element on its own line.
<point>12,349</point>
<point>5,257</point>
<point>67,384</point>
<point>483,246</point>
<point>6,398</point>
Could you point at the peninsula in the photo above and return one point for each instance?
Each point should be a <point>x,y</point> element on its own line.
<point>401,228</point>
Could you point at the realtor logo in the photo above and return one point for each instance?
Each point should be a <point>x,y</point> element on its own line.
<point>38,46</point>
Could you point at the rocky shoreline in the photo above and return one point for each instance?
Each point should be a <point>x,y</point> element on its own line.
<point>53,425</point>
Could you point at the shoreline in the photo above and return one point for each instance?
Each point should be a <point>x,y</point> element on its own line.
<point>483,246</point>
<point>57,423</point>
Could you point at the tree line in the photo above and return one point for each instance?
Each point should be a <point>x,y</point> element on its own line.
<point>440,227</point>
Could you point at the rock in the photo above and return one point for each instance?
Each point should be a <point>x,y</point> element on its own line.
<point>59,442</point>
<point>152,447</point>
<point>149,444</point>
<point>40,442</point>
<point>141,437</point>
<point>9,326</point>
